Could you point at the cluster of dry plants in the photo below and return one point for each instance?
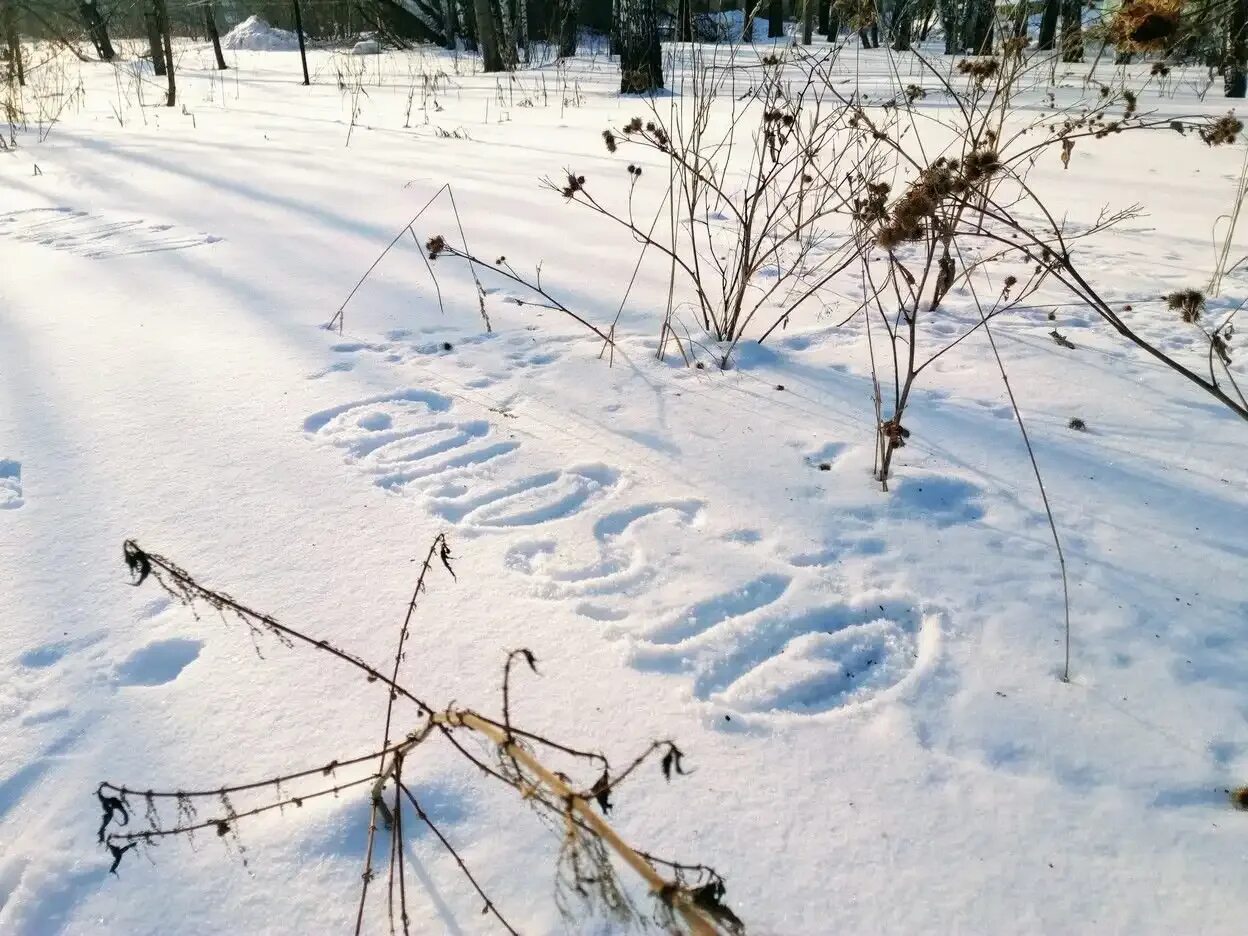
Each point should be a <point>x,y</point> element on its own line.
<point>574,799</point>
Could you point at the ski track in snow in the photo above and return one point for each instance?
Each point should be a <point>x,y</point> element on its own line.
<point>96,236</point>
<point>769,646</point>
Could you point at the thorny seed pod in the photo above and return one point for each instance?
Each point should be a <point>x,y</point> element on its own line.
<point>435,245</point>
<point>1224,130</point>
<point>609,138</point>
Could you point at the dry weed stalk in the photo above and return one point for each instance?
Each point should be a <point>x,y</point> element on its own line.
<point>691,897</point>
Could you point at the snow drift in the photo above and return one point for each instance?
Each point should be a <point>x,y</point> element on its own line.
<point>255,35</point>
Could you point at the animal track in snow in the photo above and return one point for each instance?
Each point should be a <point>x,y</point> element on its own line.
<point>96,236</point>
<point>412,438</point>
<point>401,438</point>
<point>528,501</point>
<point>621,567</point>
<point>771,644</point>
<point>159,662</point>
<point>10,484</point>
<point>799,661</point>
<point>706,614</point>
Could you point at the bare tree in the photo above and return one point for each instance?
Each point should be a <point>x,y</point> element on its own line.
<point>1236,73</point>
<point>153,38</point>
<point>977,26</point>
<point>641,55</point>
<point>808,21</point>
<point>1072,31</point>
<point>487,36</point>
<point>775,19</point>
<point>97,29</point>
<point>8,13</point>
<point>303,52</point>
<point>1048,25</point>
<point>567,28</point>
<point>902,25</point>
<point>160,16</point>
<point>684,21</point>
<point>452,25</point>
<point>210,23</point>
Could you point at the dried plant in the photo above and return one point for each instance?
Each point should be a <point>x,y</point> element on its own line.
<point>687,896</point>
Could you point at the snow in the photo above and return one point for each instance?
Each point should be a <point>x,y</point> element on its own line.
<point>255,35</point>
<point>366,47</point>
<point>865,684</point>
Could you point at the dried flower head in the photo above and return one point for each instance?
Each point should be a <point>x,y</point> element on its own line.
<point>1189,303</point>
<point>609,138</point>
<point>1077,424</point>
<point>1224,130</point>
<point>435,245</point>
<point>979,69</point>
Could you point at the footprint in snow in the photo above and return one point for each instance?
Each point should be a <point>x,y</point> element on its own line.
<point>758,648</point>
<point>413,439</point>
<point>159,662</point>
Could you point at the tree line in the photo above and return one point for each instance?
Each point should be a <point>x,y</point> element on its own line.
<point>1213,33</point>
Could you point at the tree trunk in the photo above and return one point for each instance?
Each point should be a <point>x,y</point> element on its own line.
<point>684,21</point>
<point>1235,77</point>
<point>949,20</point>
<point>1020,21</point>
<point>153,41</point>
<point>808,21</point>
<point>1072,31</point>
<point>775,19</point>
<point>567,28</point>
<point>1048,25</point>
<point>641,55</point>
<point>97,29</point>
<point>210,23</point>
<point>487,36</point>
<point>303,51</point>
<point>903,24</point>
<point>875,35</point>
<point>977,26</point>
<point>452,24</point>
<point>825,18</point>
<point>160,14</point>
<point>522,27</point>
<point>747,21</point>
<point>613,40</point>
<point>8,20</point>
<point>506,33</point>
<point>468,16</point>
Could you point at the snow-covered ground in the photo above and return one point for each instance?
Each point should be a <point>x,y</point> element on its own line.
<point>866,684</point>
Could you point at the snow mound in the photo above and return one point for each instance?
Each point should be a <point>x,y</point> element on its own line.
<point>366,47</point>
<point>254,34</point>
